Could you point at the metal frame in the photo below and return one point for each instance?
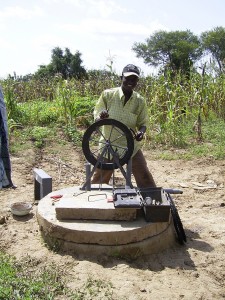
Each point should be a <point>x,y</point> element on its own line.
<point>108,148</point>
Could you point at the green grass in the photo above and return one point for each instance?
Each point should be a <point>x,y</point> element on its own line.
<point>213,143</point>
<point>26,280</point>
<point>181,140</point>
<point>22,280</point>
<point>95,289</point>
<point>29,137</point>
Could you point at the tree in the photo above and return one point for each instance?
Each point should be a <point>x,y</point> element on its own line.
<point>75,68</point>
<point>213,42</point>
<point>44,71</point>
<point>175,50</point>
<point>58,62</point>
<point>65,63</point>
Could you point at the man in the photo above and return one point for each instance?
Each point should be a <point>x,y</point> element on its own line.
<point>127,106</point>
<point>5,165</point>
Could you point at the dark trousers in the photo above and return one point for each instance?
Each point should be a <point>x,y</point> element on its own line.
<point>140,170</point>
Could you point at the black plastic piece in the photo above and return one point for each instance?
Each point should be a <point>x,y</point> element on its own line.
<point>177,222</point>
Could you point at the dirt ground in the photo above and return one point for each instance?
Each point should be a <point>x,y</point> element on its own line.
<point>193,271</point>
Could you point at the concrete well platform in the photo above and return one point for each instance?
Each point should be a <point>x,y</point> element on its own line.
<point>87,223</point>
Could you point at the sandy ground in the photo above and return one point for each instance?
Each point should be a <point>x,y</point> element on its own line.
<point>193,271</point>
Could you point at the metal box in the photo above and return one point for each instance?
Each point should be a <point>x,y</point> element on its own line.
<point>156,206</point>
<point>127,198</point>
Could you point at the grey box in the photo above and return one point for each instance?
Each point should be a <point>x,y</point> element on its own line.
<point>42,184</point>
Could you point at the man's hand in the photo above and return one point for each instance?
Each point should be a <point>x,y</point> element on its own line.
<point>104,114</point>
<point>139,135</point>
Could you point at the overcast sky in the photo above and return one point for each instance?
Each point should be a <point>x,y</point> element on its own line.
<point>30,29</point>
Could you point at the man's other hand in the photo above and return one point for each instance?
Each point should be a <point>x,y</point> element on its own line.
<point>104,114</point>
<point>139,136</point>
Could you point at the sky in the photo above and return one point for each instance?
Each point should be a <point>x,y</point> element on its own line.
<point>98,29</point>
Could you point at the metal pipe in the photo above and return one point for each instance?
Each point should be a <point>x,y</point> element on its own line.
<point>129,171</point>
<point>88,177</point>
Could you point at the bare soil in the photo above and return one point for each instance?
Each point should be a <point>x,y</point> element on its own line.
<point>195,270</point>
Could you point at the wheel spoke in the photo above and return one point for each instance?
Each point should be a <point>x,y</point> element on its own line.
<point>98,139</point>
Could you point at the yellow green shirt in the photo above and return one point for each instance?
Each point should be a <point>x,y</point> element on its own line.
<point>133,114</point>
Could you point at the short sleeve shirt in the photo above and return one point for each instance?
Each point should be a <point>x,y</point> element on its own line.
<point>133,114</point>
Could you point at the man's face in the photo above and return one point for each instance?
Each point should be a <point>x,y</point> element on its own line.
<point>129,83</point>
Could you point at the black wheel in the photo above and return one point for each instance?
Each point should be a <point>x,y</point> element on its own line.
<point>106,143</point>
<point>177,222</point>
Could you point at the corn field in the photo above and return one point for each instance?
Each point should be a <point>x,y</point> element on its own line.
<point>173,103</point>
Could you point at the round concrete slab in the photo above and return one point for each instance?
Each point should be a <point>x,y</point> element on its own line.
<point>96,235</point>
